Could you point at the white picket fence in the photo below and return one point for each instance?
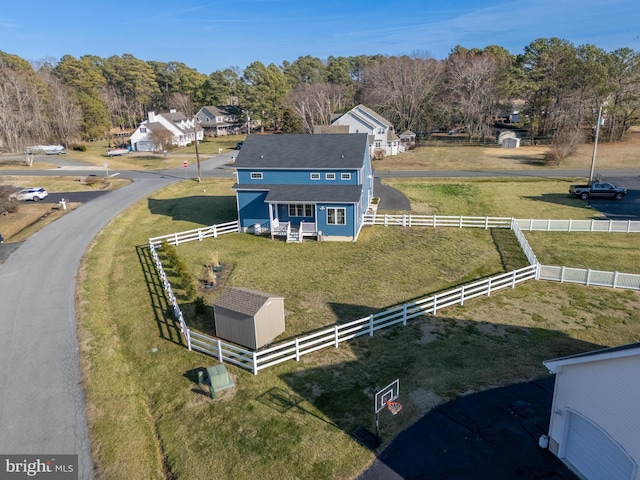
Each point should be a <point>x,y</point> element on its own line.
<point>332,336</point>
<point>196,234</point>
<point>462,221</point>
<point>585,276</point>
<point>618,226</point>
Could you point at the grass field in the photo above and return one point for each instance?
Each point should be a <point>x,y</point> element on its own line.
<point>96,155</point>
<point>149,419</point>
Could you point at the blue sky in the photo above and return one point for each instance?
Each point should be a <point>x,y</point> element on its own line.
<point>214,35</point>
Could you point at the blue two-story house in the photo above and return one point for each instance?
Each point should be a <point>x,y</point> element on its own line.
<point>298,186</point>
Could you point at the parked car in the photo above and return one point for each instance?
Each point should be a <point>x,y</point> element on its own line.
<point>1,238</point>
<point>598,189</point>
<point>34,194</point>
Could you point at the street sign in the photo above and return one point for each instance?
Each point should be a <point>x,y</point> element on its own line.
<point>185,164</point>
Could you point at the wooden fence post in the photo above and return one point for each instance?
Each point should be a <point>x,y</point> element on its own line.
<point>297,350</point>
<point>404,314</point>
<point>371,325</point>
<point>335,333</point>
<point>220,350</point>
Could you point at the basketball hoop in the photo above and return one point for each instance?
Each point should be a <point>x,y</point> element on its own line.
<point>394,407</point>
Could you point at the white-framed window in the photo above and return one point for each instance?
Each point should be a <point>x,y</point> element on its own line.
<point>300,210</point>
<point>315,176</point>
<point>256,175</point>
<point>143,129</point>
<point>345,176</point>
<point>329,176</point>
<point>378,144</point>
<point>336,216</point>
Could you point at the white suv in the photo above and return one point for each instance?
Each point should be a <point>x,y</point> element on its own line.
<point>34,194</point>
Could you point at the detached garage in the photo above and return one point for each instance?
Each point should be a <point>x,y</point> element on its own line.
<point>595,417</point>
<point>248,317</point>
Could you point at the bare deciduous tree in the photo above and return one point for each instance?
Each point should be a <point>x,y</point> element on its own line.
<point>470,91</point>
<point>315,103</point>
<point>403,89</point>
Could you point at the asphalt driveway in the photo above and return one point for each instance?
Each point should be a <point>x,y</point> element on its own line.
<point>490,435</point>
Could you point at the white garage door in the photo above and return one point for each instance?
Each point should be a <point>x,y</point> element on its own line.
<point>594,454</point>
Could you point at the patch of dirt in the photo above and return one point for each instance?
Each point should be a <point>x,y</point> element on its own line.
<point>425,399</point>
<point>220,281</point>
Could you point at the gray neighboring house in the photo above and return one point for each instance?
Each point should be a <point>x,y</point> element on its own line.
<point>221,120</point>
<point>595,415</point>
<point>248,317</point>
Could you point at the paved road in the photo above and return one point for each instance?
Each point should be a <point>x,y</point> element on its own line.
<point>42,404</point>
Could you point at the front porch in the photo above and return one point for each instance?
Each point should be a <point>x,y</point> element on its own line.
<point>293,233</point>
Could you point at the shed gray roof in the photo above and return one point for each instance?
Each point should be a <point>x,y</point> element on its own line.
<point>243,300</point>
<point>303,151</point>
<point>284,193</point>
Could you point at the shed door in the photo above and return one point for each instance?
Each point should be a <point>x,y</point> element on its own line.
<point>593,453</point>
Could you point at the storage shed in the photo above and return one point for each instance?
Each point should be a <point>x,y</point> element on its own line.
<point>595,419</point>
<point>511,142</point>
<point>248,317</point>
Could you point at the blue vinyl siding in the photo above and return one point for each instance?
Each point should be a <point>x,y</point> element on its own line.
<point>347,230</point>
<point>252,209</point>
<point>296,177</point>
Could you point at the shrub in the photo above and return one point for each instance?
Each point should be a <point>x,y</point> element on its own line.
<point>79,148</point>
<point>200,306</point>
<point>564,144</point>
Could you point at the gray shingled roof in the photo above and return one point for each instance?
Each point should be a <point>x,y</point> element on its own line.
<point>307,193</point>
<point>375,115</point>
<point>299,151</point>
<point>216,110</point>
<point>243,300</point>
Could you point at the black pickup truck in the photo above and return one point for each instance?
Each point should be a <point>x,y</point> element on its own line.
<point>598,189</point>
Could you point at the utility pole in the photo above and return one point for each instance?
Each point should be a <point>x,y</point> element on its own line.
<point>195,133</point>
<point>595,145</point>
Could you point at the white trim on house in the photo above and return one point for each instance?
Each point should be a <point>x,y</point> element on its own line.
<point>555,365</point>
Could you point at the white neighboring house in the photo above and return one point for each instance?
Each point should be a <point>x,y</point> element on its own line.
<point>382,135</point>
<point>595,416</point>
<point>172,127</point>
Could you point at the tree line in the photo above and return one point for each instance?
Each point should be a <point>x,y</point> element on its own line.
<point>557,88</point>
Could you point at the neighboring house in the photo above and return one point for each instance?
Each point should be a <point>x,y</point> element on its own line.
<point>163,129</point>
<point>298,186</point>
<point>220,120</point>
<point>382,136</point>
<point>595,416</point>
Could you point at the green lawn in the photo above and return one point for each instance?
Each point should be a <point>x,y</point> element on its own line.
<point>149,419</point>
